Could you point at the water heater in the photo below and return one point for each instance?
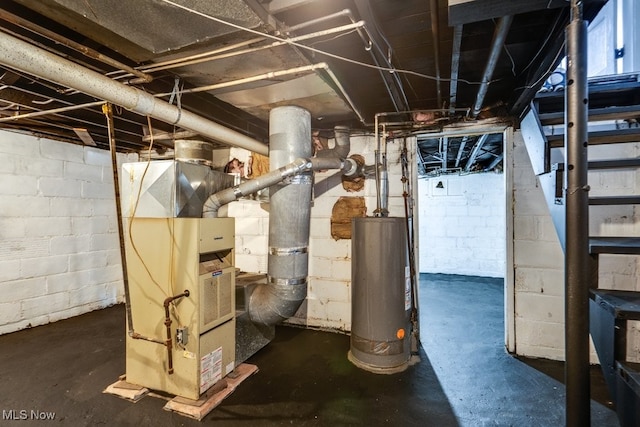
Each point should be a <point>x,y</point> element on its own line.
<point>380,295</point>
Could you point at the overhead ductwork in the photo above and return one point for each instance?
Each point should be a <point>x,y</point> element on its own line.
<point>30,59</point>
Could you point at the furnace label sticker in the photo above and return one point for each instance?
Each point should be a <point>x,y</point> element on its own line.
<point>210,369</point>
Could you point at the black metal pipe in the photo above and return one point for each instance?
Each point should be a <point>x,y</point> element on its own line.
<point>408,216</point>
<point>435,33</point>
<point>499,38</point>
<point>577,265</point>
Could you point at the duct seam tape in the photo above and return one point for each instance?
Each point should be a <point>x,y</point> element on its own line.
<point>144,103</point>
<point>287,282</point>
<point>288,251</point>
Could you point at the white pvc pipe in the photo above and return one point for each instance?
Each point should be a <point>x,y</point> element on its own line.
<point>27,58</point>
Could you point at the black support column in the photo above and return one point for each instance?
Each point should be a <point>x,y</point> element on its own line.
<point>577,271</point>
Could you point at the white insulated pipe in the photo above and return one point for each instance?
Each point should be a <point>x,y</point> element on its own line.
<point>17,54</point>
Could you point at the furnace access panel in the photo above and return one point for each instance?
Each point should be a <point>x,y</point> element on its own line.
<point>166,257</point>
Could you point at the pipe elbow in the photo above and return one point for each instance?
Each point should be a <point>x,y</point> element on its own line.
<point>211,207</point>
<point>343,141</point>
<point>270,304</point>
<point>342,146</point>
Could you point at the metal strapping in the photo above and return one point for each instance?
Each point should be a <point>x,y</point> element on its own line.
<point>288,251</point>
<point>237,192</point>
<point>288,282</point>
<point>299,179</point>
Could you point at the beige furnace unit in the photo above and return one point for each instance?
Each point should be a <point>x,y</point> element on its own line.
<point>183,267</point>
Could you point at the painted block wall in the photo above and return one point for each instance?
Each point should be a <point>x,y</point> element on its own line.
<point>328,303</point>
<point>59,250</point>
<point>539,259</point>
<point>462,225</point>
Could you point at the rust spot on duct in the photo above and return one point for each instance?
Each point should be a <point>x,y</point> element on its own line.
<point>343,211</point>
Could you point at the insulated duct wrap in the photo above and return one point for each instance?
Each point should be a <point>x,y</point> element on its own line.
<point>289,220</point>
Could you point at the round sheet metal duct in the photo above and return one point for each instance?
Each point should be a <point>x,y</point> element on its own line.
<point>289,220</point>
<point>197,152</point>
<point>380,295</point>
<point>22,56</point>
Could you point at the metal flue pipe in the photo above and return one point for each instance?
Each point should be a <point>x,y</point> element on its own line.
<point>289,221</point>
<point>17,54</point>
<point>290,183</point>
<point>342,147</point>
<point>298,166</point>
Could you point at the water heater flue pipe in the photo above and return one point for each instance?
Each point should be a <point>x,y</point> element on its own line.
<point>298,166</point>
<point>342,147</point>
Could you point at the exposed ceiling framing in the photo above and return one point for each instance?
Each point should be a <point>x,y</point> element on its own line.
<point>231,61</point>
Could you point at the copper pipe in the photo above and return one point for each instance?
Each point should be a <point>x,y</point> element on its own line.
<point>167,322</point>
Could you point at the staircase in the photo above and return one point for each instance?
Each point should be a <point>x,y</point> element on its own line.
<point>611,101</point>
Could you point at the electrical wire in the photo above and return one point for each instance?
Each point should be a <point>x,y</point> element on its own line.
<point>545,74</point>
<point>132,219</point>
<point>312,49</point>
<point>544,43</point>
<point>332,38</point>
<point>513,64</point>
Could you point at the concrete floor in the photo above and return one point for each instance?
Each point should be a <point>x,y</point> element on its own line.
<point>462,331</point>
<point>465,377</point>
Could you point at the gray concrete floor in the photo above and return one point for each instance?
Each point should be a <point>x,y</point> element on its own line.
<point>462,331</point>
<point>465,377</point>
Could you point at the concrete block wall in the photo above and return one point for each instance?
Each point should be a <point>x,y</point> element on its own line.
<point>462,225</point>
<point>59,249</point>
<point>328,303</point>
<point>539,258</point>
<point>538,266</point>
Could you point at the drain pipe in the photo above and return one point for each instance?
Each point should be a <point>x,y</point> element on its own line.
<point>17,54</point>
<point>435,34</point>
